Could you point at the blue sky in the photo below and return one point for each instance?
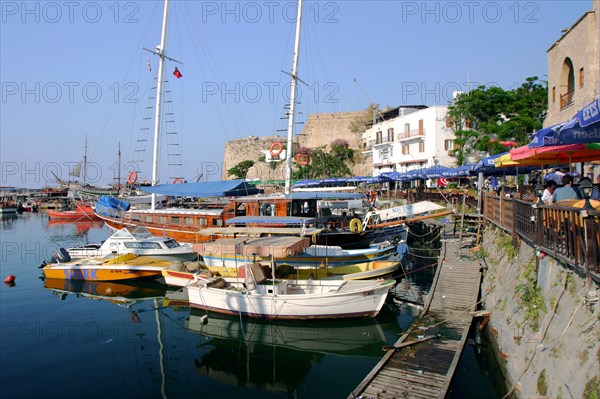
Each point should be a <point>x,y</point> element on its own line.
<point>71,69</point>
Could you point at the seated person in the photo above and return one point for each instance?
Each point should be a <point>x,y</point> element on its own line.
<point>566,192</point>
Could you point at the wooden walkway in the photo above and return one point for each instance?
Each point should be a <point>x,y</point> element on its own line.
<point>424,369</point>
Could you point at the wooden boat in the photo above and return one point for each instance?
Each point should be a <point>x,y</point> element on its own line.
<point>83,212</point>
<point>122,267</point>
<point>181,275</point>
<point>136,240</point>
<point>225,255</point>
<point>302,213</point>
<point>282,299</point>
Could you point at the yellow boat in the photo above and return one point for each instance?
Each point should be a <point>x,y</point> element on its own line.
<point>123,267</point>
<point>186,272</point>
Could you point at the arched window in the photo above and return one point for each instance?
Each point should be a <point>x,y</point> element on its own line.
<point>567,83</point>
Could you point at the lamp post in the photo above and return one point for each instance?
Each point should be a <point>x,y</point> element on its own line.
<point>586,188</point>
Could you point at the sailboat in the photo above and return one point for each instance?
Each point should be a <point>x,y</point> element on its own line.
<point>261,297</point>
<point>85,189</point>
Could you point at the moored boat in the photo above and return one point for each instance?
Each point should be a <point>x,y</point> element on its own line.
<point>82,212</point>
<point>283,299</point>
<point>123,267</point>
<point>137,240</point>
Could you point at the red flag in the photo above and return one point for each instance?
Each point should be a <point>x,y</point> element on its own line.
<point>149,66</point>
<point>177,73</point>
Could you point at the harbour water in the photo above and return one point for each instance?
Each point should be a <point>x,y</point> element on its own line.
<point>95,340</point>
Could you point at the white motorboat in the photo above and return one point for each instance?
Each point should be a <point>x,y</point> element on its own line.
<point>137,240</point>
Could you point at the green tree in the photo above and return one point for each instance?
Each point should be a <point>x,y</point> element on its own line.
<point>322,165</point>
<point>241,169</point>
<point>487,115</point>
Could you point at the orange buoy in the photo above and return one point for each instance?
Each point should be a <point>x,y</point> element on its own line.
<point>303,159</point>
<point>132,177</point>
<point>275,149</point>
<point>9,279</point>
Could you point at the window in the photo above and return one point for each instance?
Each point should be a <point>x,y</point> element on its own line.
<point>390,132</point>
<point>567,86</point>
<point>217,222</point>
<point>553,94</point>
<point>405,150</point>
<point>449,121</point>
<point>162,220</point>
<point>406,127</point>
<point>448,145</point>
<point>171,244</point>
<point>378,138</point>
<point>421,128</point>
<point>581,77</point>
<point>189,221</point>
<point>142,245</point>
<point>202,222</point>
<point>148,219</point>
<point>421,146</point>
<point>468,124</point>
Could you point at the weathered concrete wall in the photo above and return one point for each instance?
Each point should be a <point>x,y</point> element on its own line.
<point>545,333</point>
<point>320,130</point>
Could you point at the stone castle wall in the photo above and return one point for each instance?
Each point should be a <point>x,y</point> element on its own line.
<point>320,130</point>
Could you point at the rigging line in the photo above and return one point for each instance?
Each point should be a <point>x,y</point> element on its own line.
<point>139,45</point>
<point>210,62</point>
<point>277,121</point>
<point>210,70</point>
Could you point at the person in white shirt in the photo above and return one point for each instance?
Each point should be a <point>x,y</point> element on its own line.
<point>548,192</point>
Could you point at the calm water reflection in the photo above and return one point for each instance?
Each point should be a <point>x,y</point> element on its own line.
<point>75,339</point>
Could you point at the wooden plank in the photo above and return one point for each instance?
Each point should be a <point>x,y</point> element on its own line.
<point>425,370</point>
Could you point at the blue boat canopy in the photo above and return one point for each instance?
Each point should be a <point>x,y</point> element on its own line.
<point>228,188</point>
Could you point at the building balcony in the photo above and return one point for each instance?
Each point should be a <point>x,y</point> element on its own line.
<point>566,99</point>
<point>411,135</point>
<point>383,142</point>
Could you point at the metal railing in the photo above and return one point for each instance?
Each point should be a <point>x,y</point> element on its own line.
<point>566,99</point>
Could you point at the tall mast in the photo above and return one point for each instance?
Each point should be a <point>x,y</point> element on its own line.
<point>290,131</point>
<point>119,167</point>
<point>160,51</point>
<point>84,160</point>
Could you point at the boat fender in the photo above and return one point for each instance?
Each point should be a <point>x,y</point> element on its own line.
<point>275,149</point>
<point>132,177</point>
<point>177,180</point>
<point>355,225</point>
<point>10,279</point>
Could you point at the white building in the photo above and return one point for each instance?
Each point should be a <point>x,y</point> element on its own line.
<point>410,137</point>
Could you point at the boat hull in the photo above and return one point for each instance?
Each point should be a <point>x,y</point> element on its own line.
<point>100,273</point>
<point>362,299</point>
<point>190,236</point>
<point>123,267</point>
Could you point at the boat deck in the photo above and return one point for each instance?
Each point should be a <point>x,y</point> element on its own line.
<point>422,362</point>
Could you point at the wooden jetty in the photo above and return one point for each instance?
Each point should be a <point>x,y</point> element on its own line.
<point>422,362</point>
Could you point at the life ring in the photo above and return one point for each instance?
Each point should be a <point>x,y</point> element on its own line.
<point>275,149</point>
<point>355,225</point>
<point>303,159</point>
<point>177,180</point>
<point>132,177</point>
